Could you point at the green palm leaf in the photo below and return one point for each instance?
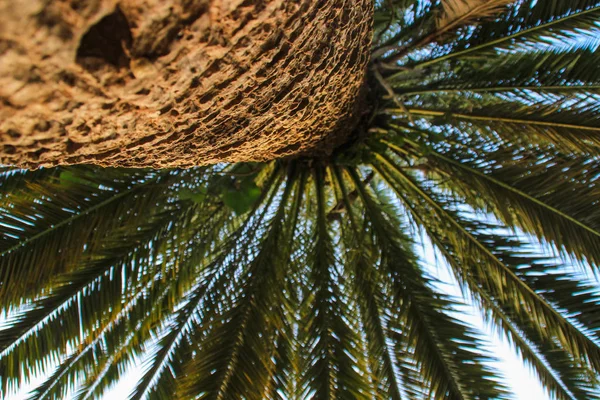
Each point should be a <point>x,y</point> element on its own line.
<point>515,195</point>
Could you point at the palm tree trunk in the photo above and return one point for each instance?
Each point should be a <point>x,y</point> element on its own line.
<point>178,83</point>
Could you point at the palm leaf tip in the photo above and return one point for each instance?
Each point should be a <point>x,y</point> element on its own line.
<point>462,12</point>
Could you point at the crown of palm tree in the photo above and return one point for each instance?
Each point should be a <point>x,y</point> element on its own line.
<point>298,278</point>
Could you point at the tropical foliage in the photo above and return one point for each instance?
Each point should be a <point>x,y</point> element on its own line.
<point>299,278</point>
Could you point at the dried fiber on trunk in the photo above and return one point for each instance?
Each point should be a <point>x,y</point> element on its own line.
<point>178,83</point>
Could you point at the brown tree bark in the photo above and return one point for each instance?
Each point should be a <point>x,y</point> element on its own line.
<point>177,83</point>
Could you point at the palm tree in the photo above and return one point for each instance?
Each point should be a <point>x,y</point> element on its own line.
<point>298,277</point>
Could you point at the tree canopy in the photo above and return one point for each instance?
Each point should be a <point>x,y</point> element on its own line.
<point>298,277</point>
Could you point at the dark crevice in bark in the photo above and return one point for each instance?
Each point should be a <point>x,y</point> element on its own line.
<point>108,41</point>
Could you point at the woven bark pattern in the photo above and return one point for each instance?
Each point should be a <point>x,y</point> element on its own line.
<point>177,83</point>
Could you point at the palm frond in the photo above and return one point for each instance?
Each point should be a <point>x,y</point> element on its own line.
<point>572,129</point>
<point>13,180</point>
<point>449,368</point>
<point>569,71</point>
<point>456,13</point>
<point>78,299</point>
<point>529,24</point>
<point>498,276</point>
<point>329,341</point>
<point>514,193</point>
<point>45,220</point>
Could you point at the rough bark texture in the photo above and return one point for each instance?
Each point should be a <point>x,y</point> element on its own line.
<point>177,83</point>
